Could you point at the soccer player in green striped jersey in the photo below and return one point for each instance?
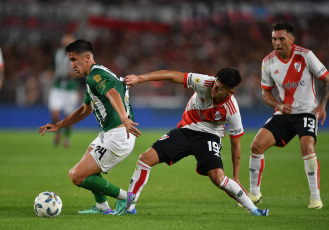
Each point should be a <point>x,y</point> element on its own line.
<point>64,95</point>
<point>107,97</point>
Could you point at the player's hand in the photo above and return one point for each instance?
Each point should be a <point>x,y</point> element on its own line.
<point>320,113</point>
<point>130,128</point>
<point>284,108</point>
<point>50,127</point>
<point>131,80</point>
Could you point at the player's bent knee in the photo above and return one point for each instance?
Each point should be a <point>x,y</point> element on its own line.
<point>256,148</point>
<point>76,179</point>
<point>216,176</point>
<point>150,157</point>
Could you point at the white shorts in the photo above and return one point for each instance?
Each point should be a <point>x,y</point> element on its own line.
<point>112,147</point>
<point>63,100</point>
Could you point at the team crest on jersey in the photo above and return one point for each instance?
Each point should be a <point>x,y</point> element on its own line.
<point>197,80</point>
<point>97,78</point>
<point>218,116</point>
<point>163,137</point>
<point>298,66</point>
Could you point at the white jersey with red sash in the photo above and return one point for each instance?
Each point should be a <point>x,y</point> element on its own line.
<point>201,114</point>
<point>294,78</point>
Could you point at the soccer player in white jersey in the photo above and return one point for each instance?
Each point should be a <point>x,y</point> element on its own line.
<point>107,97</point>
<point>199,133</point>
<point>292,69</point>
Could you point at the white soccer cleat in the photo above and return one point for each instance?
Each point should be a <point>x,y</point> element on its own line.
<point>255,199</point>
<point>316,204</point>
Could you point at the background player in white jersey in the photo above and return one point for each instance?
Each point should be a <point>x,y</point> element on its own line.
<point>292,70</point>
<point>63,96</point>
<point>199,133</point>
<point>107,96</point>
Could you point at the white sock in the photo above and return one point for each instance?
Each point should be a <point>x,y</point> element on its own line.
<point>236,192</point>
<point>102,206</point>
<point>139,180</point>
<point>256,167</point>
<point>122,195</point>
<point>312,169</point>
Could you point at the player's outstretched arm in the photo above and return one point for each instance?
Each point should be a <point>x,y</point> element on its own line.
<point>161,75</point>
<point>78,115</point>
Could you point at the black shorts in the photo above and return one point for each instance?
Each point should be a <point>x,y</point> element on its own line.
<point>285,127</point>
<point>182,142</point>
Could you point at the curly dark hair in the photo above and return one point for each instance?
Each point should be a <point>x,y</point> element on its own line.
<point>230,77</point>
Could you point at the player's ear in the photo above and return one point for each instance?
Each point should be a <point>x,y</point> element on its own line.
<point>231,92</point>
<point>292,39</point>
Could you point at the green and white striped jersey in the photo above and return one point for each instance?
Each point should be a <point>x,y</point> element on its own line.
<point>62,69</point>
<point>99,81</point>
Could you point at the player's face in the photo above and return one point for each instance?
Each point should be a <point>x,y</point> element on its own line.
<point>79,63</point>
<point>220,92</point>
<point>282,42</point>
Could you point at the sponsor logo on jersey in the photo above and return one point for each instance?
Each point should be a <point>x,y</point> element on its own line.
<point>197,80</point>
<point>322,71</point>
<point>218,116</point>
<point>163,137</point>
<point>189,79</point>
<point>201,115</point>
<point>293,85</point>
<point>298,66</point>
<point>102,85</point>
<point>202,99</point>
<point>97,78</point>
<point>236,131</point>
<point>276,72</point>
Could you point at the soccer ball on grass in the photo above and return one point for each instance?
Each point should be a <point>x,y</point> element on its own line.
<point>48,204</point>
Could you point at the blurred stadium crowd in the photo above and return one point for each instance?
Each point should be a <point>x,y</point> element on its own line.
<point>136,37</point>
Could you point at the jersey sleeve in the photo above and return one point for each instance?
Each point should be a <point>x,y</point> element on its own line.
<point>198,82</point>
<point>267,81</point>
<point>315,66</point>
<point>235,125</point>
<point>87,99</point>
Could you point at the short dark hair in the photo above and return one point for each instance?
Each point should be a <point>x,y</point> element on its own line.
<point>283,26</point>
<point>230,77</point>
<point>79,46</point>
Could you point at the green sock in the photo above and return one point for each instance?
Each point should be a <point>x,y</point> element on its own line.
<point>100,186</point>
<point>67,132</point>
<point>99,198</point>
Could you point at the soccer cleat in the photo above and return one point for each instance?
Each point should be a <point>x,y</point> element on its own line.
<point>255,199</point>
<point>109,211</point>
<point>316,204</point>
<point>93,210</point>
<point>259,212</point>
<point>123,205</point>
<point>134,211</point>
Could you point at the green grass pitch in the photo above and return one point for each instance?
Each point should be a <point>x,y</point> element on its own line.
<point>175,197</point>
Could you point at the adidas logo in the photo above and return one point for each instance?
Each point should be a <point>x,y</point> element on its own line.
<point>276,72</point>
